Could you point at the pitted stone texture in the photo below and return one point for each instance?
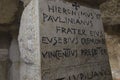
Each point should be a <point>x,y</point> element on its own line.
<point>28,35</point>
<point>111,12</point>
<point>29,43</point>
<point>8,10</point>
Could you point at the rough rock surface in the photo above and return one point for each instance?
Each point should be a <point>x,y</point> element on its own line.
<point>111,12</point>
<point>111,19</point>
<point>113,44</point>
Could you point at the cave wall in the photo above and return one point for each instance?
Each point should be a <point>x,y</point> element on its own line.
<point>111,19</point>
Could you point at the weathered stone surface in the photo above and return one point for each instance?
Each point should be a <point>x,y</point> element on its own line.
<point>8,10</point>
<point>29,43</point>
<point>111,19</point>
<point>111,12</point>
<point>113,44</point>
<point>68,50</point>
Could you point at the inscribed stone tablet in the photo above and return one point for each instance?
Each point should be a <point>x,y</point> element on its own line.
<point>72,42</point>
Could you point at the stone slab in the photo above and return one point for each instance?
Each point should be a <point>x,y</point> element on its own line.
<point>60,40</point>
<point>72,42</point>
